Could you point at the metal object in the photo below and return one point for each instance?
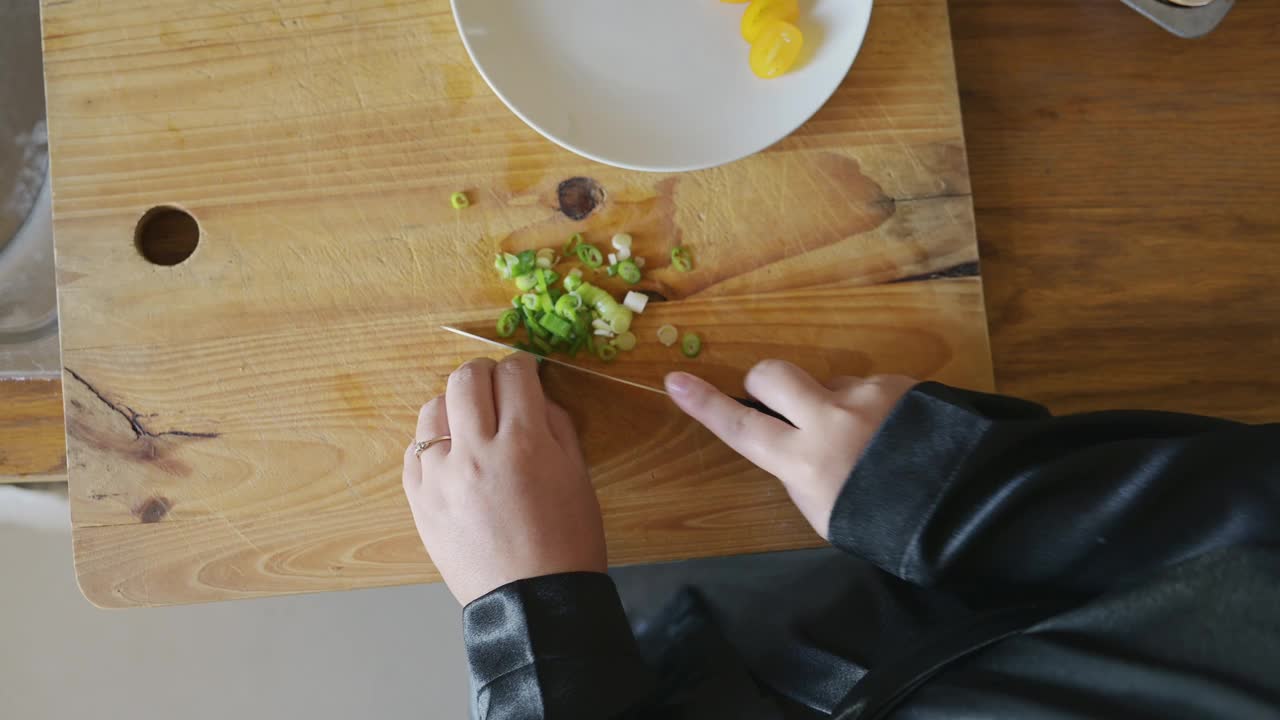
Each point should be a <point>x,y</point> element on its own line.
<point>746,402</point>
<point>554,361</point>
<point>423,445</point>
<point>1184,18</point>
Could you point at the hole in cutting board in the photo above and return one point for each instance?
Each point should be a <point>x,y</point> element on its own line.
<point>166,235</point>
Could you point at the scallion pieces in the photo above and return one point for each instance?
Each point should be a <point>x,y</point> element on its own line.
<point>459,200</point>
<point>628,271</point>
<point>668,335</point>
<point>590,255</point>
<point>571,316</point>
<point>635,302</point>
<point>680,259</point>
<point>508,323</point>
<point>625,342</point>
<point>691,345</point>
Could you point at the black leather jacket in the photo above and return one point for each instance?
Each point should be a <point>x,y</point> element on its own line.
<point>1119,564</point>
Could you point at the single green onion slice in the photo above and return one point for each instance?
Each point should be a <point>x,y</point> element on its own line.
<point>668,334</point>
<point>556,325</point>
<point>574,241</point>
<point>526,282</point>
<point>459,200</point>
<point>691,345</point>
<point>628,271</point>
<point>500,264</point>
<point>567,306</point>
<point>680,259</point>
<point>525,262</point>
<point>625,342</point>
<point>613,270</point>
<point>508,322</point>
<point>572,282</point>
<point>606,352</point>
<point>590,255</point>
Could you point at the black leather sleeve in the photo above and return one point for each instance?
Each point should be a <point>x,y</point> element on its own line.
<point>988,495</point>
<point>557,646</point>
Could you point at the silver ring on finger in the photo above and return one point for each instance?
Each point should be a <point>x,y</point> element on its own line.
<point>423,445</point>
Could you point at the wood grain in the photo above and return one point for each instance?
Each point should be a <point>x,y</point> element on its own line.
<point>31,441</point>
<point>236,422</point>
<point>1127,204</point>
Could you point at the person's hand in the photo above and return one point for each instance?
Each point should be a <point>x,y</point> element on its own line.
<point>834,423</point>
<point>508,497</point>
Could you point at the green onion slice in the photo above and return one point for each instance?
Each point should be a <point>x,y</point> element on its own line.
<point>628,271</point>
<point>590,255</point>
<point>508,322</point>
<point>691,345</point>
<point>680,259</point>
<point>574,241</point>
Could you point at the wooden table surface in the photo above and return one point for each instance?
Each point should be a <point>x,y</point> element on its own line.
<point>1125,184</point>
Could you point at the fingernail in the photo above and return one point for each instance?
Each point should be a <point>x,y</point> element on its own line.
<point>682,384</point>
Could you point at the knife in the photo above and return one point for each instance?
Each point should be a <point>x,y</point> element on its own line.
<point>746,402</point>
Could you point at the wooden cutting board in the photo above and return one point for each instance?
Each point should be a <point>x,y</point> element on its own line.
<point>236,422</point>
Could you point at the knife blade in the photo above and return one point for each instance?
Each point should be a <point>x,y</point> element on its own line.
<point>747,402</point>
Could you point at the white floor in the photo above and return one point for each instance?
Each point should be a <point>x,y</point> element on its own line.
<point>387,654</point>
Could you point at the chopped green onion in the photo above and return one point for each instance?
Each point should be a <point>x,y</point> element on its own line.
<point>574,241</point>
<point>622,241</point>
<point>680,259</point>
<point>619,319</point>
<point>628,271</point>
<point>590,255</point>
<point>508,322</point>
<point>573,282</point>
<point>606,352</point>
<point>459,200</point>
<point>551,276</point>
<point>540,277</point>
<point>529,301</point>
<point>668,334</point>
<point>567,306</point>
<point>691,345</point>
<point>500,264</point>
<point>635,302</point>
<point>525,263</point>
<point>531,324</point>
<point>613,270</point>
<point>545,304</point>
<point>545,258</point>
<point>526,282</point>
<point>542,347</point>
<point>556,325</point>
<point>625,342</point>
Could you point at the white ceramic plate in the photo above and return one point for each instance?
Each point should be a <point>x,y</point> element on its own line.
<point>657,85</point>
